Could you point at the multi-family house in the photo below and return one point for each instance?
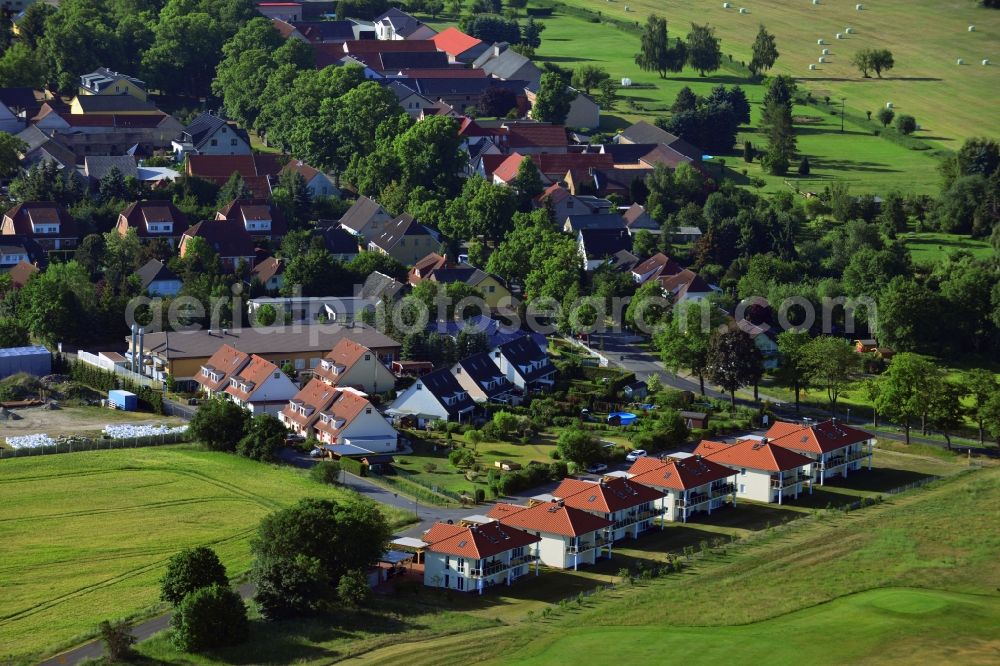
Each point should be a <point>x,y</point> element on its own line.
<point>213,376</point>
<point>436,395</point>
<point>260,387</point>
<point>477,557</point>
<point>153,219</point>
<point>354,365</point>
<point>630,507</point>
<point>524,364</point>
<point>338,416</point>
<point>259,217</point>
<point>691,484</point>
<point>835,447</point>
<point>568,536</point>
<point>108,133</point>
<point>766,472</point>
<point>46,223</point>
<point>232,242</point>
<point>404,239</point>
<point>484,381</point>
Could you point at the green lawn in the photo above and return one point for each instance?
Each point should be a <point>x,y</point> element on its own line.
<point>931,248</point>
<point>85,536</point>
<point>951,102</point>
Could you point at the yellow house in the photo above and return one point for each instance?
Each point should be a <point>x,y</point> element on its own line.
<point>104,81</point>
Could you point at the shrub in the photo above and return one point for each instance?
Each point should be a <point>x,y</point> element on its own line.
<point>190,570</point>
<point>804,167</point>
<point>480,495</point>
<point>906,124</point>
<point>352,589</point>
<point>326,471</point>
<point>117,638</point>
<point>558,470</point>
<point>461,458</point>
<point>885,116</point>
<point>209,618</point>
<point>355,467</point>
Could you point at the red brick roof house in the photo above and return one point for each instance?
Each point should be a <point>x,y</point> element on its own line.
<point>836,447</point>
<point>153,219</point>
<point>45,222</point>
<point>690,484</point>
<point>20,273</point>
<point>213,377</point>
<point>260,218</point>
<point>260,387</point>
<point>339,417</point>
<point>354,365</point>
<point>767,472</point>
<point>629,506</point>
<point>270,273</point>
<point>569,536</point>
<point>256,170</point>
<point>534,138</point>
<point>459,46</point>
<point>232,242</point>
<point>478,557</point>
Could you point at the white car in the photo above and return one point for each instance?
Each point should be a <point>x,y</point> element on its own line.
<point>635,455</point>
<point>316,453</point>
<point>597,468</point>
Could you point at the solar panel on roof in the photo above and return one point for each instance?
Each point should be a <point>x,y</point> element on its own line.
<point>593,498</point>
<point>463,543</point>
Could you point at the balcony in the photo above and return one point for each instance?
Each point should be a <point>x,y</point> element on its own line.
<point>499,566</point>
<point>719,491</point>
<point>840,461</point>
<point>787,481</point>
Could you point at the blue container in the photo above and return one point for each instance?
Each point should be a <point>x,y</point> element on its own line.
<point>124,400</point>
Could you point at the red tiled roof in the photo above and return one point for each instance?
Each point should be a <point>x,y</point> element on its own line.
<point>343,409</point>
<point>17,220</point>
<point>753,454</point>
<point>556,192</point>
<point>21,272</point>
<point>490,164</point>
<point>220,167</point>
<point>136,215</point>
<point>240,210</point>
<point>551,518</point>
<point>317,396</point>
<point>387,45</point>
<point>682,474</point>
<point>425,267</point>
<point>267,269</point>
<point>477,542</point>
<point>555,165</point>
<point>454,42</point>
<point>604,496</point>
<point>225,361</point>
<point>819,438</point>
<point>536,136</point>
<point>508,168</point>
<point>229,241</point>
<point>254,373</point>
<point>661,264</point>
<point>300,167</point>
<point>344,354</point>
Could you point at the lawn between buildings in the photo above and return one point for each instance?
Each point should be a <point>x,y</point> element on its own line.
<point>85,536</point>
<point>779,578</point>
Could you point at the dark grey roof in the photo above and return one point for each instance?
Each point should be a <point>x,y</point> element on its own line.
<point>443,385</point>
<point>595,221</point>
<point>205,125</point>
<point>392,60</point>
<point>326,31</point>
<point>624,260</point>
<point>487,375</point>
<point>599,243</point>
<point>103,77</point>
<point>645,133</point>
<point>16,243</point>
<point>154,270</point>
<point>400,90</point>
<point>402,23</point>
<point>97,166</point>
<point>43,147</point>
<point>404,225</point>
<point>338,241</point>
<point>20,98</point>
<point>524,351</point>
<point>435,88</point>
<point>382,287</point>
<point>363,211</point>
<point>113,103</point>
<point>510,64</point>
<point>469,275</point>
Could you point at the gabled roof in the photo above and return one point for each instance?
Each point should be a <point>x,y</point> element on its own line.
<point>102,77</point>
<point>325,31</point>
<point>154,270</point>
<point>113,104</point>
<point>314,397</point>
<point>98,166</point>
<point>536,135</point>
<point>600,243</point>
<point>346,406</point>
<point>358,46</point>
<point>253,375</point>
<point>443,386</point>
<point>254,169</point>
<point>425,267</point>
<point>555,165</point>
<point>683,283</point>
<point>507,169</point>
<point>636,217</point>
<point>487,375</point>
<point>402,23</point>
<point>379,286</point>
<point>21,272</point>
<point>337,240</point>
<point>623,260</point>
<point>683,474</point>
<point>659,265</point>
<point>115,120</point>
<point>344,355</point>
<point>454,42</point>
<point>753,454</point>
<point>524,351</point>
<point>139,214</point>
<point>23,214</point>
<point>303,169</point>
<point>477,542</point>
<point>491,163</point>
<point>549,517</point>
<point>21,98</point>
<point>443,87</point>
<point>363,211</point>
<point>595,221</point>
<point>402,226</point>
<point>204,126</point>
<point>509,64</point>
<point>267,269</point>
<point>227,239</point>
<point>816,438</point>
<point>644,133</point>
<point>606,496</point>
<point>239,210</point>
<point>397,60</point>
<point>224,362</point>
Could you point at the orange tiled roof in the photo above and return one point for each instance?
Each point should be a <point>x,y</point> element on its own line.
<point>507,169</point>
<point>752,454</point>
<point>342,410</point>
<point>682,474</point>
<point>454,42</point>
<point>225,361</point>
<point>604,496</point>
<point>254,374</point>
<point>345,354</point>
<point>315,397</point>
<point>819,438</point>
<point>477,542</point>
<point>551,518</point>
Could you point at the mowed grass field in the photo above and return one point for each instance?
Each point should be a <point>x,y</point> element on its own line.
<point>868,163</point>
<point>911,580</point>
<point>931,248</point>
<point>927,37</point>
<point>85,536</point>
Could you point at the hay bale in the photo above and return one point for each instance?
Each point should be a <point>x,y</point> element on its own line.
<point>960,61</point>
<point>822,59</point>
<point>826,51</point>
<point>888,105</point>
<point>726,5</point>
<point>849,30</point>
<point>821,41</point>
<point>815,2</point>
<point>626,82</point>
<point>972,28</point>
<point>812,67</point>
<point>985,61</point>
<point>840,35</point>
<point>744,10</point>
<point>859,7</point>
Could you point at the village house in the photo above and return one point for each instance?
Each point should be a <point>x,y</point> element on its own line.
<point>339,417</point>
<point>365,218</point>
<point>438,268</point>
<point>257,171</point>
<point>475,558</point>
<point>213,376</point>
<point>15,250</point>
<point>232,242</point>
<point>836,448</point>
<point>270,273</point>
<point>767,473</point>
<point>105,82</point>
<point>525,365</point>
<point>584,112</point>
<point>396,24</point>
<point>43,146</point>
<point>258,217</point>
<point>574,223</point>
<point>481,377</point>
<point>568,536</point>
<point>211,135</point>
<point>404,239</point>
<point>436,395</point>
<point>318,183</point>
<point>460,47</point>
<point>260,387</point>
<point>505,64</point>
<point>411,101</point>
<point>153,219</point>
<point>354,365</point>
<point>20,273</point>
<point>123,105</point>
<point>44,222</point>
<point>157,280</point>
<point>630,507</point>
<point>691,484</point>
<point>638,218</point>
<point>181,354</point>
<point>597,246</point>
<point>313,309</point>
<point>340,243</point>
<point>108,133</point>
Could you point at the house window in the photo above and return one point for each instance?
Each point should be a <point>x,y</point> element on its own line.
<point>300,364</point>
<point>742,488</point>
<point>458,371</point>
<point>277,374</point>
<point>214,142</point>
<point>368,357</point>
<point>461,584</point>
<point>743,472</point>
<point>491,289</point>
<point>368,410</point>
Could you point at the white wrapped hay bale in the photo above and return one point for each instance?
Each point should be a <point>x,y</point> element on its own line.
<point>812,67</point>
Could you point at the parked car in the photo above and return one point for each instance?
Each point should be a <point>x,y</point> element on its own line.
<point>597,468</point>
<point>292,440</point>
<point>635,455</point>
<point>316,453</point>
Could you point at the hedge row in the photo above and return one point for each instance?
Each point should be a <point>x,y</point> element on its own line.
<point>104,380</point>
<point>355,467</point>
